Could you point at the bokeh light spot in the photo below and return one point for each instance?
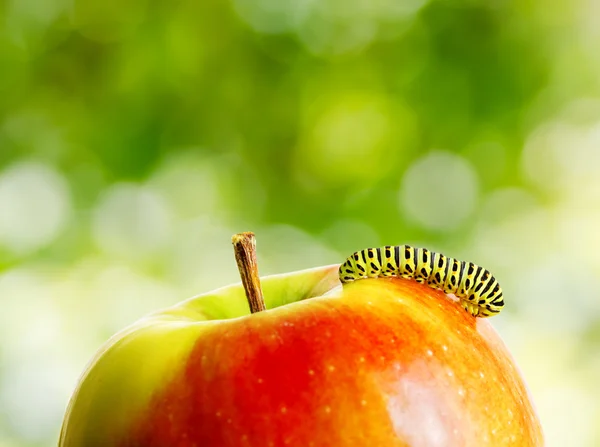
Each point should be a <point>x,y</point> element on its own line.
<point>273,16</point>
<point>35,205</point>
<point>131,221</point>
<point>349,139</point>
<point>439,190</point>
<point>562,157</point>
<point>328,26</point>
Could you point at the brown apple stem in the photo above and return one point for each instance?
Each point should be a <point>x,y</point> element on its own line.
<point>244,246</point>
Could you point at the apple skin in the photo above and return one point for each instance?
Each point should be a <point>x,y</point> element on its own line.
<point>381,362</point>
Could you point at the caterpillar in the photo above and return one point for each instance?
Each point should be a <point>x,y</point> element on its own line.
<point>478,291</point>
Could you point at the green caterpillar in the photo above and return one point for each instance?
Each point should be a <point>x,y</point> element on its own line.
<point>478,291</point>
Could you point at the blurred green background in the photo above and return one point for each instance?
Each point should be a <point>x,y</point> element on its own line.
<point>137,136</point>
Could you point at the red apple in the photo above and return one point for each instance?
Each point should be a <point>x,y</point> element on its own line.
<point>380,362</point>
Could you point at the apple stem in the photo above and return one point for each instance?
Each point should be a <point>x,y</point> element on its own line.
<point>244,247</point>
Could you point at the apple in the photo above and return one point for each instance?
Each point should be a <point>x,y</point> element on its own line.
<point>383,362</point>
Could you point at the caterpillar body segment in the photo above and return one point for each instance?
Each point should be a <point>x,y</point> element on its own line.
<point>388,261</point>
<point>424,265</point>
<point>372,257</point>
<point>438,273</point>
<point>408,262</point>
<point>467,280</point>
<point>478,291</point>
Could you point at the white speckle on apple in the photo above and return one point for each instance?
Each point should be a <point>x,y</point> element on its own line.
<point>481,374</point>
<point>327,334</point>
<point>393,340</point>
<point>455,431</point>
<point>461,392</point>
<point>450,373</point>
<point>244,438</point>
<point>218,414</point>
<point>327,410</point>
<point>229,421</point>
<point>363,402</point>
<point>331,368</point>
<point>494,431</point>
<point>362,360</point>
<point>311,372</point>
<point>370,303</point>
<point>283,410</point>
<point>260,380</point>
<point>382,358</point>
<point>445,348</point>
<point>429,352</point>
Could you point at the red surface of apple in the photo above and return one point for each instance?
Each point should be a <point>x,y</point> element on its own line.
<point>380,362</point>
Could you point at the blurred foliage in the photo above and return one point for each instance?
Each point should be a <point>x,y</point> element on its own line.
<point>136,137</point>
